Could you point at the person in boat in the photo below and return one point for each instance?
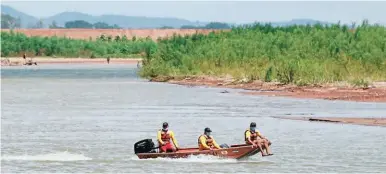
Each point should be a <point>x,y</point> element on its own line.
<point>206,141</point>
<point>254,137</point>
<point>164,137</point>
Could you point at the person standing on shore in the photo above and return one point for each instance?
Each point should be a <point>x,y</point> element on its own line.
<point>108,60</point>
<point>25,58</point>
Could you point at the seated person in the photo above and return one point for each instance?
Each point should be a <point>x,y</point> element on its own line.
<point>164,136</point>
<point>206,141</point>
<point>254,137</point>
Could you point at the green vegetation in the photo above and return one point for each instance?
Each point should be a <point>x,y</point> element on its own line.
<point>85,24</point>
<point>299,55</point>
<point>16,44</point>
<point>78,24</point>
<point>295,54</point>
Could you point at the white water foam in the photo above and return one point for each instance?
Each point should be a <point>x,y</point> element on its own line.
<point>208,159</point>
<point>59,156</point>
<point>202,159</point>
<point>191,159</point>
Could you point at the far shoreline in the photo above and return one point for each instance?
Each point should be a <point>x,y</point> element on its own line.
<point>344,92</point>
<point>19,61</point>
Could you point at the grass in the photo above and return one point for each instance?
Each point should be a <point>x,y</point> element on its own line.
<point>16,44</point>
<point>301,55</point>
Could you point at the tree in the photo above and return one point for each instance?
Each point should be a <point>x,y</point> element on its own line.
<point>78,24</point>
<point>124,38</point>
<point>115,26</point>
<point>166,27</point>
<point>39,24</point>
<point>109,38</point>
<point>102,37</point>
<point>101,25</point>
<point>9,22</point>
<point>54,25</point>
<point>18,22</point>
<point>117,38</point>
<point>217,25</point>
<point>5,21</point>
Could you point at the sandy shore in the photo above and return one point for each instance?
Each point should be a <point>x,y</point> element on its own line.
<point>341,120</point>
<point>43,60</point>
<point>375,93</point>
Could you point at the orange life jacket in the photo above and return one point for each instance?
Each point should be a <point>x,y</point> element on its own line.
<point>208,141</point>
<point>165,136</point>
<point>253,135</point>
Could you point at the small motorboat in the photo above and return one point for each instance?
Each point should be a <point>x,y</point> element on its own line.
<point>145,149</point>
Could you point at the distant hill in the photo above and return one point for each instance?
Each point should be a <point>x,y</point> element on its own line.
<point>25,19</point>
<point>121,20</point>
<point>134,22</point>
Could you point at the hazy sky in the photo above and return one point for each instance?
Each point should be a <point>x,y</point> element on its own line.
<point>225,11</point>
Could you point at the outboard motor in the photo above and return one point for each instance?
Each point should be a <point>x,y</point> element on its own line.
<point>144,146</point>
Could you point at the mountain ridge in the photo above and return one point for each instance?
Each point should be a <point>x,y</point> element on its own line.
<point>129,22</point>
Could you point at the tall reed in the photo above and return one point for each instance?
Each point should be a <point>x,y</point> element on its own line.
<point>16,44</point>
<point>294,54</point>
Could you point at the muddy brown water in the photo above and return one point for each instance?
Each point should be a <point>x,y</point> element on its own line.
<point>86,118</point>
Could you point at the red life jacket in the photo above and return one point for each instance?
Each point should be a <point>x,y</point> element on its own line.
<point>165,136</point>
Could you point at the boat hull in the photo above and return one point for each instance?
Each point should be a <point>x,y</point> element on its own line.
<point>233,152</point>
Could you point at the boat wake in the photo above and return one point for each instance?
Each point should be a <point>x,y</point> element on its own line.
<point>202,159</point>
<point>191,159</point>
<point>60,156</point>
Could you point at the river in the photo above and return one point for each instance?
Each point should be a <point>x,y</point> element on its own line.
<point>86,118</point>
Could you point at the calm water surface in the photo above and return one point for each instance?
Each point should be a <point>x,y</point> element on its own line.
<point>86,118</point>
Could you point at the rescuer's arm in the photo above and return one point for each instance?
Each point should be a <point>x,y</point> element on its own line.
<point>159,138</point>
<point>216,145</point>
<point>174,139</point>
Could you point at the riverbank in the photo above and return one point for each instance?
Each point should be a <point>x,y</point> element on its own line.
<point>376,92</point>
<point>86,34</point>
<point>341,120</point>
<point>43,60</point>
